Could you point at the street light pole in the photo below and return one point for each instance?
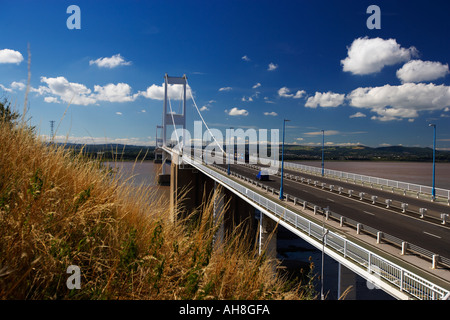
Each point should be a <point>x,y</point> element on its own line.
<point>324,236</point>
<point>282,161</point>
<point>433,192</point>
<point>229,143</point>
<point>323,145</point>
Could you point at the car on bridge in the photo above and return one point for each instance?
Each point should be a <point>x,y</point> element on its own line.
<point>263,175</point>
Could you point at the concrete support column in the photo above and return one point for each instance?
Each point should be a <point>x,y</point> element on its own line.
<point>267,236</point>
<point>218,216</point>
<point>346,281</point>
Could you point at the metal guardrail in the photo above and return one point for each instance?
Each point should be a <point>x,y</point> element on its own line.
<point>444,193</point>
<point>397,276</point>
<point>435,259</point>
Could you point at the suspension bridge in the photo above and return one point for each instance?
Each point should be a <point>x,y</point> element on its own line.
<point>388,232</point>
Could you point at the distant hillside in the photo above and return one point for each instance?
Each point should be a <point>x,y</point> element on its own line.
<point>292,152</point>
<point>115,151</point>
<point>391,153</point>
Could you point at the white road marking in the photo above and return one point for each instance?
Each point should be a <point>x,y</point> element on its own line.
<point>330,199</point>
<point>372,214</point>
<point>433,235</point>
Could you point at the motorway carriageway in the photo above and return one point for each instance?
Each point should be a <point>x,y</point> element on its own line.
<point>431,236</point>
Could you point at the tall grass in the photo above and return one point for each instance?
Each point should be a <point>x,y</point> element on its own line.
<point>59,209</point>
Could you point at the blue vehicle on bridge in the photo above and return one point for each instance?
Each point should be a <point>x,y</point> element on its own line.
<point>263,175</point>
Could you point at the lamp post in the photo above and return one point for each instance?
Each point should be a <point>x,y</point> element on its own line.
<point>229,144</point>
<point>433,192</point>
<point>282,160</point>
<point>324,237</point>
<point>323,145</point>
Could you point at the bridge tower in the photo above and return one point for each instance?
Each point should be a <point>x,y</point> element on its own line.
<point>170,118</point>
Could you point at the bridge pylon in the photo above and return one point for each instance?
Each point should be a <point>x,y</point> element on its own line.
<point>170,118</point>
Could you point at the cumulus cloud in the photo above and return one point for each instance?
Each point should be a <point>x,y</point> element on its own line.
<point>273,114</point>
<point>174,92</point>
<point>257,85</point>
<point>10,56</point>
<point>284,93</point>
<point>111,62</point>
<point>51,100</point>
<point>245,58</point>
<point>5,88</point>
<point>366,56</point>
<point>79,94</point>
<point>418,71</point>
<point>18,85</point>
<point>225,89</point>
<point>75,93</point>
<point>237,112</point>
<point>272,66</point>
<point>14,86</point>
<point>120,92</point>
<point>327,99</point>
<point>398,102</point>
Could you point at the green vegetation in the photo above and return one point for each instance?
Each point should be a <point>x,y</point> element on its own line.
<point>58,208</point>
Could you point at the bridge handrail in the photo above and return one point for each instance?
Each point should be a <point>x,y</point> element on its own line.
<point>413,187</point>
<point>397,276</point>
<point>369,179</point>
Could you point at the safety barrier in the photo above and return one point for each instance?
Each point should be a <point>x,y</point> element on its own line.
<point>397,276</point>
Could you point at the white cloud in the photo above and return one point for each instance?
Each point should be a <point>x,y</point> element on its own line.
<point>245,58</point>
<point>119,113</point>
<point>249,99</point>
<point>10,56</point>
<point>51,100</point>
<point>225,89</point>
<point>237,112</point>
<point>273,114</point>
<point>18,85</point>
<point>114,93</point>
<point>5,88</point>
<point>175,92</point>
<point>79,94</point>
<point>418,71</point>
<point>326,99</point>
<point>398,102</point>
<point>256,85</point>
<point>367,56</point>
<point>204,108</point>
<point>111,62</point>
<point>327,133</point>
<point>68,91</point>
<point>14,86</point>
<point>284,93</point>
<point>358,115</point>
<point>272,66</point>
<point>266,100</point>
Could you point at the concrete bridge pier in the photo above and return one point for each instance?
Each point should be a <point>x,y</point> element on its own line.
<point>267,236</point>
<point>346,279</point>
<point>189,188</point>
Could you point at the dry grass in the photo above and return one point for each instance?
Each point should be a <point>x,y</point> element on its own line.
<point>59,209</point>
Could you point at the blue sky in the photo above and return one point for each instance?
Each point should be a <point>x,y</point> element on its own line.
<point>250,64</point>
